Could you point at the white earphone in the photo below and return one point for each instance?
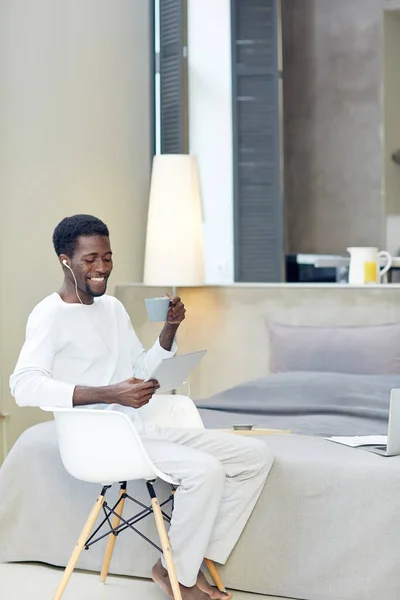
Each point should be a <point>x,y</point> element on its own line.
<point>64,262</point>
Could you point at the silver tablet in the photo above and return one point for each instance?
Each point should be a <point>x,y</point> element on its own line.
<point>172,372</point>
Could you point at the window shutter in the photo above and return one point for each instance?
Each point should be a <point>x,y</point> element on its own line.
<point>153,71</point>
<point>255,87</point>
<point>173,76</point>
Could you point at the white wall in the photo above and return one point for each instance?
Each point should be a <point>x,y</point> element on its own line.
<point>210,128</point>
<point>74,137</point>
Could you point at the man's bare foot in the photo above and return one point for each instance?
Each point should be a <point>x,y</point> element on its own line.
<point>212,592</point>
<point>160,576</point>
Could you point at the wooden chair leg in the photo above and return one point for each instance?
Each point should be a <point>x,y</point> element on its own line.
<point>215,575</point>
<point>112,538</point>
<point>94,513</point>
<point>166,548</point>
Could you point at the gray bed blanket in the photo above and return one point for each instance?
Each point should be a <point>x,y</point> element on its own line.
<point>320,404</point>
<point>312,535</point>
<point>326,526</point>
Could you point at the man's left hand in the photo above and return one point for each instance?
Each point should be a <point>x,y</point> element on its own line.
<point>176,312</point>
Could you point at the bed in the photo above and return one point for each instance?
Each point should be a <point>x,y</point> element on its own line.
<point>326,527</point>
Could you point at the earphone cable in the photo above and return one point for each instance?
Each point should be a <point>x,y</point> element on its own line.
<point>85,309</point>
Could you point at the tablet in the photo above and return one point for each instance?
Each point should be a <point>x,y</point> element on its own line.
<point>172,372</point>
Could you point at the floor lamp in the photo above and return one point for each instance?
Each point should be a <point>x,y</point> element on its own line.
<point>174,254</point>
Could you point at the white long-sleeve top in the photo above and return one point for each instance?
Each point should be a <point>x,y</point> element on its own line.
<point>73,344</point>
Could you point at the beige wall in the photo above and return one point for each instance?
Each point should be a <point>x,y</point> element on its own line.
<point>333,98</point>
<point>391,109</point>
<point>231,322</point>
<point>75,137</point>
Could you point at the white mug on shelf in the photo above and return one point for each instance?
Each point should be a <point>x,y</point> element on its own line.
<point>365,265</point>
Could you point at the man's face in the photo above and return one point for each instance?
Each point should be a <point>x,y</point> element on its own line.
<point>92,264</point>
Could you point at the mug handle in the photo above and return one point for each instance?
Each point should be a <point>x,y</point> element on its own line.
<point>384,254</point>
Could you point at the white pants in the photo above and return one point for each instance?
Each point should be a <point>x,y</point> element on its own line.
<point>221,476</point>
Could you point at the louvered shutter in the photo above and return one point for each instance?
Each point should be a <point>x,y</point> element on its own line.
<point>255,84</point>
<point>153,71</point>
<point>173,77</point>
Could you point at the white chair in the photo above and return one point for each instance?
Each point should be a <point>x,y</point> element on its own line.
<point>103,446</point>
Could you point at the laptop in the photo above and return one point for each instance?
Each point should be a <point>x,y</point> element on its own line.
<point>392,447</point>
<point>385,445</point>
<point>172,372</point>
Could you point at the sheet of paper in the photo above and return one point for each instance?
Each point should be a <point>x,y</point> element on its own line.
<point>360,440</point>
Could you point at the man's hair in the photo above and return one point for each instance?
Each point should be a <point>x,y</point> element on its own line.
<point>68,231</point>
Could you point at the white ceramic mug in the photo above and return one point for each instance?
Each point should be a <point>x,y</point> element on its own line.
<point>157,308</point>
<point>361,255</point>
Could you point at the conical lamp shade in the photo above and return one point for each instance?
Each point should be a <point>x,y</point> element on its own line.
<point>174,242</point>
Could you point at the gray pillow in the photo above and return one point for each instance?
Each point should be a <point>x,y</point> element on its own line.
<point>360,350</point>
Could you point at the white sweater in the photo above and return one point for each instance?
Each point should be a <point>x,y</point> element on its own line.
<point>71,344</point>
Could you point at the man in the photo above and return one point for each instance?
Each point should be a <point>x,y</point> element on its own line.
<point>81,349</point>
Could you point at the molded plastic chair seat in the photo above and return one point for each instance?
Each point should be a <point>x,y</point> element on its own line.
<point>103,446</point>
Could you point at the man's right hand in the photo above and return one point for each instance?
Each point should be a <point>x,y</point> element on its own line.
<point>135,392</point>
<point>132,392</point>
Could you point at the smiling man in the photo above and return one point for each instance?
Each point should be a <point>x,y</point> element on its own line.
<point>81,349</point>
